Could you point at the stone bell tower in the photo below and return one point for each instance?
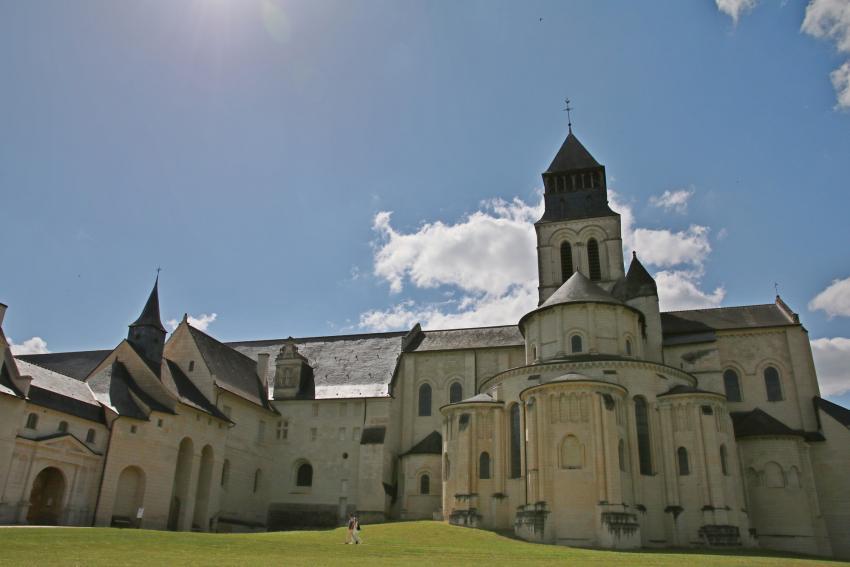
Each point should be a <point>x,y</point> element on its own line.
<point>578,231</point>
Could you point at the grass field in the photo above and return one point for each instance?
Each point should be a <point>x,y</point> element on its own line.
<point>387,544</point>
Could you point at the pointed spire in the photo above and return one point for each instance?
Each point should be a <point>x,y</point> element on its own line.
<point>572,156</point>
<point>639,282</point>
<point>150,313</point>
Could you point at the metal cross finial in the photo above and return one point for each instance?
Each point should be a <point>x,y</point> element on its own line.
<point>776,287</point>
<point>567,109</point>
<point>158,270</point>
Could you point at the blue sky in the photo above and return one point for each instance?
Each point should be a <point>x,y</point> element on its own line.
<point>253,149</point>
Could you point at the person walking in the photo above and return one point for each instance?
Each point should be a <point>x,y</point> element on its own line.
<point>355,533</point>
<point>349,537</point>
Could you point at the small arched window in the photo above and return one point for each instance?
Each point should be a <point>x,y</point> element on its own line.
<point>575,343</point>
<point>566,261</point>
<point>304,476</point>
<point>628,347</point>
<point>682,459</point>
<point>90,436</point>
<point>455,392</point>
<point>225,473</point>
<point>593,260</point>
<point>516,438</point>
<point>484,465</point>
<point>642,425</point>
<point>424,400</point>
<point>63,427</point>
<point>32,421</point>
<point>732,385</point>
<point>424,484</point>
<point>621,455</point>
<point>772,385</point>
<point>724,460</point>
<point>258,478</point>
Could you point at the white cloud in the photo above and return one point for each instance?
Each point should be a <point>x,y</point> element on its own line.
<point>834,300</point>
<point>664,248</point>
<point>830,20</point>
<point>489,257</point>
<point>680,289</point>
<point>735,8</point>
<point>35,345</point>
<point>832,360</point>
<point>487,252</point>
<point>201,322</point>
<point>841,81</point>
<point>676,201</point>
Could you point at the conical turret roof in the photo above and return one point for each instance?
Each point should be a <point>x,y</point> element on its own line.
<point>579,289</point>
<point>637,283</point>
<point>572,156</point>
<point>150,313</point>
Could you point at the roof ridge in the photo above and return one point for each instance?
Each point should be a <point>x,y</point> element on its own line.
<point>722,308</point>
<point>383,334</point>
<point>471,328</point>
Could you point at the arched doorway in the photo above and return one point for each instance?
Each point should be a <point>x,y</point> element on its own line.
<point>182,481</point>
<point>129,496</point>
<point>202,494</point>
<point>46,497</point>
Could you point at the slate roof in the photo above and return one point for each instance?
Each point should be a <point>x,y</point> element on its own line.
<point>479,399</point>
<point>637,283</point>
<point>61,393</point>
<point>234,371</point>
<point>150,312</point>
<point>572,156</point>
<point>432,444</point>
<point>482,337</point>
<point>836,412</point>
<point>7,386</point>
<point>724,319</point>
<point>77,365</point>
<point>189,393</point>
<point>345,366</point>
<point>685,389</point>
<point>579,289</point>
<point>112,386</point>
<point>758,423</point>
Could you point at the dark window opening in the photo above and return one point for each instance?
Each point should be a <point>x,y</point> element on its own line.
<point>644,447</point>
<point>771,383</point>
<point>484,466</point>
<point>732,385</point>
<point>305,475</point>
<point>575,343</point>
<point>566,261</point>
<point>593,260</point>
<point>682,458</point>
<point>455,393</point>
<point>424,484</point>
<point>516,438</point>
<point>424,400</point>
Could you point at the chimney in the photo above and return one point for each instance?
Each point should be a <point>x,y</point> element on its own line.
<point>263,366</point>
<point>2,313</point>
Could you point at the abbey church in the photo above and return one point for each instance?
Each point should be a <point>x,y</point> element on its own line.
<point>595,421</point>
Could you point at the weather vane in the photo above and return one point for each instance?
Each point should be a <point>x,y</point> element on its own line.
<point>567,109</point>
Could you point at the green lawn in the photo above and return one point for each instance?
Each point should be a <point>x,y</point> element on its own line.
<point>388,544</point>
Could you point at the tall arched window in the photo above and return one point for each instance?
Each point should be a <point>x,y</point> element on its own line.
<point>621,455</point>
<point>772,385</point>
<point>575,343</point>
<point>516,438</point>
<point>724,460</point>
<point>628,347</point>
<point>424,484</point>
<point>642,424</point>
<point>304,477</point>
<point>90,434</point>
<point>225,473</point>
<point>484,465</point>
<point>424,400</point>
<point>593,260</point>
<point>32,421</point>
<point>732,385</point>
<point>566,261</point>
<point>455,392</point>
<point>682,459</point>
<point>258,478</point>
<point>773,475</point>
<point>63,427</point>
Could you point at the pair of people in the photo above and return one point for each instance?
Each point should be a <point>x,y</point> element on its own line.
<point>353,530</point>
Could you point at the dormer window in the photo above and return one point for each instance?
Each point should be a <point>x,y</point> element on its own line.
<point>191,365</point>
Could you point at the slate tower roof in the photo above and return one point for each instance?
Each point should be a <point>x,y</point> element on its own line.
<point>574,183</point>
<point>146,334</point>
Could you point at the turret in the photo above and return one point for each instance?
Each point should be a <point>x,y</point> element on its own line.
<point>146,334</point>
<point>638,289</point>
